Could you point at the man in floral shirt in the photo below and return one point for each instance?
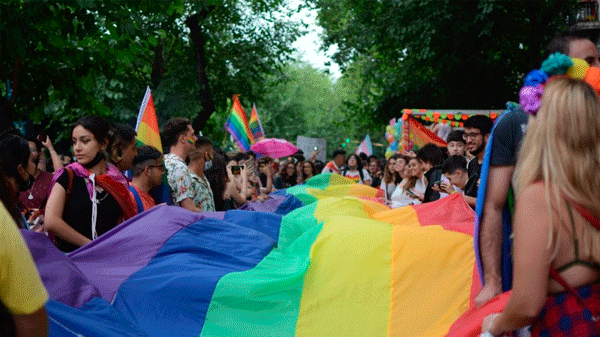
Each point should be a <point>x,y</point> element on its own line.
<point>179,136</point>
<point>201,160</point>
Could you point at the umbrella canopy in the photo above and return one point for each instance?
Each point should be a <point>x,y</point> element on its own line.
<point>274,147</point>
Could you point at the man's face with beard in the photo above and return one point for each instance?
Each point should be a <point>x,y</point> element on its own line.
<point>474,139</point>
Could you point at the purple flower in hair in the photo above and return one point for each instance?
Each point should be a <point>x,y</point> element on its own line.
<point>535,77</point>
<point>530,98</point>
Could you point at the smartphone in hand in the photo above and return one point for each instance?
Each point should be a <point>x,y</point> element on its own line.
<point>42,136</point>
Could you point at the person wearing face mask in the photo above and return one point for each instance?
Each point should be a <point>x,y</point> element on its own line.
<point>17,166</point>
<point>200,161</point>
<point>88,197</point>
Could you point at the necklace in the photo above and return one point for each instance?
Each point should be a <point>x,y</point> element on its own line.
<point>30,197</point>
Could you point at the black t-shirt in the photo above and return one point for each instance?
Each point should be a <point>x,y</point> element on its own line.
<point>473,167</point>
<point>78,211</point>
<point>280,183</point>
<point>375,182</point>
<point>433,175</point>
<point>471,186</point>
<point>507,137</point>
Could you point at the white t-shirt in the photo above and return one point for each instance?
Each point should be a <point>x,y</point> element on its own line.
<point>354,175</point>
<point>401,198</point>
<point>388,189</point>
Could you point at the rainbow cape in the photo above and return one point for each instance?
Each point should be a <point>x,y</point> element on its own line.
<point>238,126</point>
<point>326,258</point>
<point>147,124</point>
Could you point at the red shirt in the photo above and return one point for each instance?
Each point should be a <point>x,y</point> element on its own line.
<point>147,200</point>
<point>35,196</point>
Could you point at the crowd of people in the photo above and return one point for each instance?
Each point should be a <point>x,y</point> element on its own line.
<point>555,245</point>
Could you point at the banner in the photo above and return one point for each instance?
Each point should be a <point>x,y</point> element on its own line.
<point>308,145</point>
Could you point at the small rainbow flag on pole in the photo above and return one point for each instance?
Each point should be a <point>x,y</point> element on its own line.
<point>147,124</point>
<point>256,128</point>
<point>237,125</point>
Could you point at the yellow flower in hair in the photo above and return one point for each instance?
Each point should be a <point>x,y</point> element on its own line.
<point>578,69</point>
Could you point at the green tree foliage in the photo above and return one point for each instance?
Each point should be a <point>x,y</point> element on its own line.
<point>439,53</point>
<point>305,101</point>
<point>63,59</point>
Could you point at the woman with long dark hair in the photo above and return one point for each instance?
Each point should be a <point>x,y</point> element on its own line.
<point>88,197</point>
<point>354,170</point>
<point>391,177</point>
<point>412,189</point>
<point>287,176</point>
<point>18,168</point>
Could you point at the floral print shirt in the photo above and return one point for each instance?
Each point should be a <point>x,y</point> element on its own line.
<point>203,196</point>
<point>186,184</point>
<point>179,178</point>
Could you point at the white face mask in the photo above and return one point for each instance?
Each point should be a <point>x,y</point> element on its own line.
<point>207,165</point>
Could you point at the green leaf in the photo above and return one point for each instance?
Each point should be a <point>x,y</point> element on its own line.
<point>152,40</point>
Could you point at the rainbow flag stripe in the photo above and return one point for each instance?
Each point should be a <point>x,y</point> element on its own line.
<point>237,125</point>
<point>147,124</point>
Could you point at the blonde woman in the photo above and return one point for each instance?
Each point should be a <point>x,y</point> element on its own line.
<point>558,201</point>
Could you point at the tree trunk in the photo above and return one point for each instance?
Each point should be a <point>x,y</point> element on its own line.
<point>158,66</point>
<point>198,41</point>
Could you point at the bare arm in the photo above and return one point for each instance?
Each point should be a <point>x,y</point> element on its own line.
<point>531,262</point>
<point>56,161</point>
<point>54,222</point>
<point>32,325</point>
<point>188,204</point>
<point>313,156</point>
<point>470,200</point>
<point>238,198</point>
<point>490,230</point>
<point>269,173</point>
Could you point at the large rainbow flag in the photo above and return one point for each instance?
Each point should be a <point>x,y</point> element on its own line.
<point>326,258</point>
<point>147,124</point>
<point>238,126</point>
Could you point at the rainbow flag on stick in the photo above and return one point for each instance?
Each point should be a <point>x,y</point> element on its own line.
<point>237,125</point>
<point>147,124</point>
<point>255,125</point>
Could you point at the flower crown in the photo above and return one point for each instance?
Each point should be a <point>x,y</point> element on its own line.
<point>530,96</point>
